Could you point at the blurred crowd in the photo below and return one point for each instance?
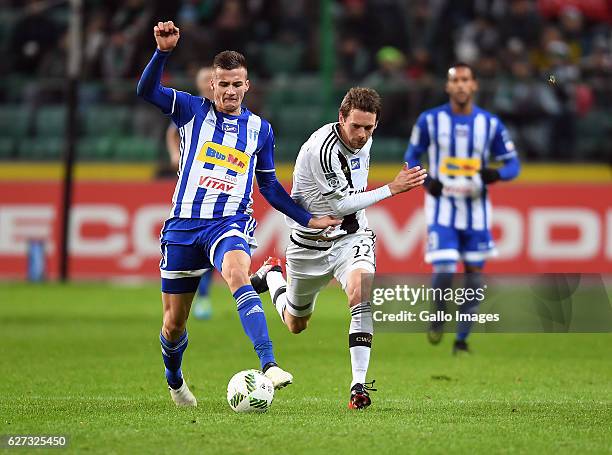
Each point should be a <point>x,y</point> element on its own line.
<point>401,47</point>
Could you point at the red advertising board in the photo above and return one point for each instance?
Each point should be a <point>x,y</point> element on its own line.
<point>115,228</point>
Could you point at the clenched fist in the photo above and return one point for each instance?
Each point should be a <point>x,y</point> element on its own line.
<point>166,35</point>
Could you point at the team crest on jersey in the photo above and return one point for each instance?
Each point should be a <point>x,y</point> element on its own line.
<point>222,155</point>
<point>355,164</point>
<point>460,167</point>
<point>253,134</point>
<point>230,127</point>
<point>332,180</point>
<point>462,130</point>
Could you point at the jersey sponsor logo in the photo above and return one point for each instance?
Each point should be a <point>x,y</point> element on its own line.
<point>332,179</point>
<point>355,164</point>
<point>207,181</point>
<point>225,156</point>
<point>230,128</point>
<point>460,167</point>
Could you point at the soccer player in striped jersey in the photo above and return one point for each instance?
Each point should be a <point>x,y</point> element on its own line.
<point>331,177</point>
<point>461,141</point>
<point>223,146</point>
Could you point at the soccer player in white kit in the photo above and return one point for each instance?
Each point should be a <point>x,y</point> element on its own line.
<point>330,178</point>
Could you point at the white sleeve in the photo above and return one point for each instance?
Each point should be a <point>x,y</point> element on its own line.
<point>327,173</point>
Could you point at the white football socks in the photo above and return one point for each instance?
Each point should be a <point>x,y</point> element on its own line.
<point>278,286</point>
<point>360,340</point>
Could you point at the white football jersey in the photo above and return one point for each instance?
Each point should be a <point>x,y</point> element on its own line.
<point>326,168</point>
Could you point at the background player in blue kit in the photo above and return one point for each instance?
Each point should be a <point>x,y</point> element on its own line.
<point>461,141</point>
<point>223,145</point>
<point>202,307</point>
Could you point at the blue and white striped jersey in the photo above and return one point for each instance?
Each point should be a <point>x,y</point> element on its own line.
<point>458,146</point>
<point>219,154</point>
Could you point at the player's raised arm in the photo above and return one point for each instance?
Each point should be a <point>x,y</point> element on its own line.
<point>166,35</point>
<point>277,197</point>
<point>149,85</point>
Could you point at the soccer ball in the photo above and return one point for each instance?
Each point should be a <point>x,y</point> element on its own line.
<point>250,391</point>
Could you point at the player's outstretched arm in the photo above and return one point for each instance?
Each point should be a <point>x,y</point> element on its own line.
<point>275,194</point>
<point>407,179</point>
<point>149,86</point>
<point>277,197</point>
<point>344,203</point>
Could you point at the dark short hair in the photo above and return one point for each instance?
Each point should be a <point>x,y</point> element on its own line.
<point>229,60</point>
<point>363,99</point>
<point>462,65</point>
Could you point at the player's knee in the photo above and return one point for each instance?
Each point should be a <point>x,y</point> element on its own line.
<point>235,276</point>
<point>172,330</point>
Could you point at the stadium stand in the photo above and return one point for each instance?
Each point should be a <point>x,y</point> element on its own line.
<point>570,41</point>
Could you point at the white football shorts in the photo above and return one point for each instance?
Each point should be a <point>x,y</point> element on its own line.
<point>311,266</point>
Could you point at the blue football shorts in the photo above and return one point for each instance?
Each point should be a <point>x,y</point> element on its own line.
<point>447,244</point>
<point>190,247</point>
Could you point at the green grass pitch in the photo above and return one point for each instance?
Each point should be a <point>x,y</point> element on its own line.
<point>84,360</point>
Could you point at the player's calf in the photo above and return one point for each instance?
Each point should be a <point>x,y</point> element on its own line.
<point>270,277</point>
<point>295,324</point>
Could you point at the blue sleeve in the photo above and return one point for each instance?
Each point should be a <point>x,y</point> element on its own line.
<point>179,105</point>
<point>265,155</point>
<point>419,141</point>
<point>502,149</point>
<point>270,187</point>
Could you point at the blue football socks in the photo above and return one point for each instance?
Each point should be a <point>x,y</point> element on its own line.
<point>172,353</point>
<point>254,323</point>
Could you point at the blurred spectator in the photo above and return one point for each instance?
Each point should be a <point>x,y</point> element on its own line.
<point>391,82</point>
<point>572,30</point>
<point>528,107</point>
<point>420,18</point>
<point>95,41</point>
<point>597,69</point>
<point>401,47</point>
<point>522,22</point>
<point>33,36</point>
<point>390,72</point>
<point>353,61</point>
<point>566,75</point>
<point>127,29</point>
<point>540,55</point>
<point>477,37</point>
<point>231,27</point>
<point>595,10</point>
<point>355,21</point>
